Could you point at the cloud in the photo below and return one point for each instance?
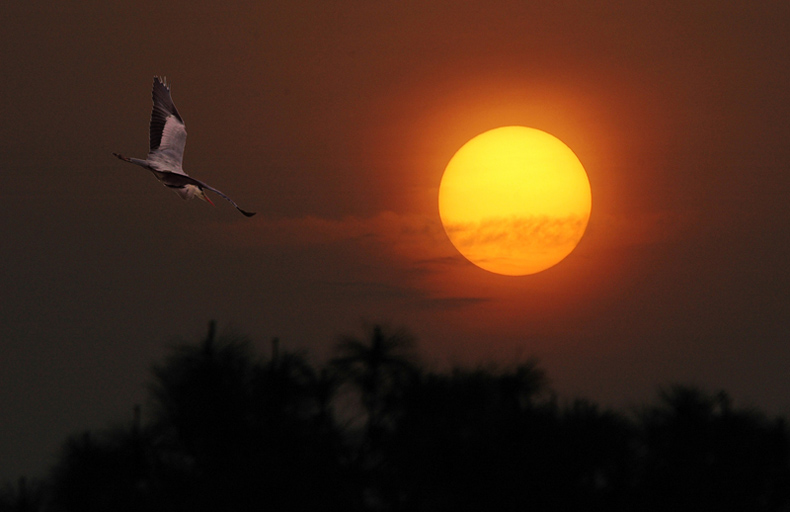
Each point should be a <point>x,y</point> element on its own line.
<point>518,234</point>
<point>389,256</point>
<point>518,244</point>
<point>445,303</point>
<point>418,238</point>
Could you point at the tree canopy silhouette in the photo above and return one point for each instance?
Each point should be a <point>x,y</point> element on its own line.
<point>700,452</point>
<point>378,366</point>
<point>231,430</point>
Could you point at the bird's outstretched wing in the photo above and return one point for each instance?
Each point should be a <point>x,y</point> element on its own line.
<point>168,135</point>
<point>177,180</point>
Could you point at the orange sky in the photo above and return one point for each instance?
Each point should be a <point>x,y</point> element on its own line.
<point>334,121</point>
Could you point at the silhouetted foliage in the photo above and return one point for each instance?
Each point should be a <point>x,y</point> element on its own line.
<point>700,454</point>
<point>487,439</point>
<point>596,456</point>
<point>112,470</point>
<point>25,496</point>
<point>467,440</point>
<point>240,433</point>
<point>379,367</point>
<point>232,431</point>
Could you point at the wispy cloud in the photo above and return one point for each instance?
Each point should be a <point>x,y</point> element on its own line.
<point>388,256</point>
<point>311,230</point>
<point>509,234</point>
<point>519,243</point>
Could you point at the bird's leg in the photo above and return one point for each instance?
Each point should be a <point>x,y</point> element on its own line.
<point>124,158</point>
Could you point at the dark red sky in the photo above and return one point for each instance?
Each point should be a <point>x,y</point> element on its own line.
<point>334,121</point>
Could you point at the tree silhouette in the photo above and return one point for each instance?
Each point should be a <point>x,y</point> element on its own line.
<point>240,433</point>
<point>24,497</point>
<point>595,458</point>
<point>701,454</point>
<point>110,470</point>
<point>301,454</point>
<point>471,440</point>
<point>378,366</point>
<point>231,431</point>
<point>202,396</point>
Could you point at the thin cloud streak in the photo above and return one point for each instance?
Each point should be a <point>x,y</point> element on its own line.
<point>387,257</point>
<point>518,233</point>
<point>410,251</point>
<point>418,238</point>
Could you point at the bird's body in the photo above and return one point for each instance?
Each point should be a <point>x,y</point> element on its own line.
<point>168,136</point>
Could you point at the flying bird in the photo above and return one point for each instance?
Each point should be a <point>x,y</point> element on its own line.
<point>168,136</point>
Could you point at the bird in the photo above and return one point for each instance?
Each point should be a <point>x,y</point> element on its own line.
<point>167,138</point>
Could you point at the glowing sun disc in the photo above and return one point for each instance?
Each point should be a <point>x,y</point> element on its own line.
<point>515,200</point>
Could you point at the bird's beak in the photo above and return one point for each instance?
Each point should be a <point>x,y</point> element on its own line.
<point>204,197</point>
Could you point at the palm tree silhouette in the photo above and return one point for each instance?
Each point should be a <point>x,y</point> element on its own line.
<point>378,366</point>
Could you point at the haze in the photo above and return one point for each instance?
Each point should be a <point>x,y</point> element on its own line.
<point>334,121</point>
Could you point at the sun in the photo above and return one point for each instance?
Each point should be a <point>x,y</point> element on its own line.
<point>515,200</point>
